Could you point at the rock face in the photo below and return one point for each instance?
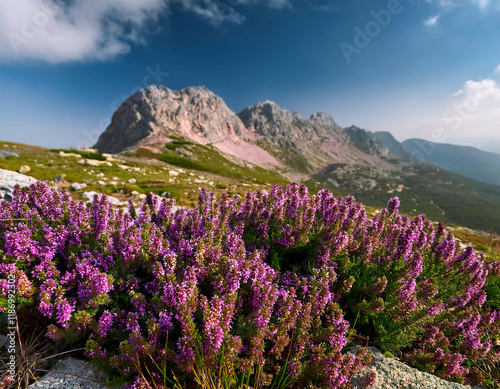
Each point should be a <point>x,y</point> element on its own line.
<point>9,179</point>
<point>153,115</point>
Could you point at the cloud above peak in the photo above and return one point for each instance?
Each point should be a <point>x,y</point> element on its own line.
<point>57,31</point>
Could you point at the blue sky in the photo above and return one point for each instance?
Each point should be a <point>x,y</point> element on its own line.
<point>418,68</point>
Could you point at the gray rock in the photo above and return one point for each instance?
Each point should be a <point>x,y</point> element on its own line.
<point>24,169</point>
<point>394,374</point>
<point>7,153</point>
<point>4,340</point>
<point>148,117</point>
<point>90,196</point>
<point>71,373</point>
<point>9,179</point>
<point>76,186</point>
<point>59,178</point>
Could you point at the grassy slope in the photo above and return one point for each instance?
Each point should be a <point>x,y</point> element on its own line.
<point>439,194</point>
<point>426,189</point>
<point>151,174</point>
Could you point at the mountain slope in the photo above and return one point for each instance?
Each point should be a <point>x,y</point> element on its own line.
<point>465,160</point>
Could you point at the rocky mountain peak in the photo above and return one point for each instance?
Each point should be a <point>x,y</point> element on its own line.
<point>324,119</point>
<point>150,116</point>
<point>267,112</point>
<point>367,142</point>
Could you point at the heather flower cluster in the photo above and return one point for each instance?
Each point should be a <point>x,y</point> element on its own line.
<point>269,286</point>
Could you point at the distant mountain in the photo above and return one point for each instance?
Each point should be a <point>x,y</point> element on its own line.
<point>487,144</point>
<point>465,160</point>
<point>394,146</point>
<point>194,128</point>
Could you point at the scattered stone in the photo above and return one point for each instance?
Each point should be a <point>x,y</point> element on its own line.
<point>101,182</point>
<point>134,193</point>
<point>173,173</point>
<point>112,200</point>
<point>115,183</point>
<point>94,162</point>
<point>63,154</point>
<point>124,167</point>
<point>78,186</point>
<point>120,191</point>
<point>59,178</point>
<point>7,153</point>
<point>142,196</point>
<point>81,161</point>
<point>132,180</point>
<point>9,179</point>
<point>89,195</point>
<point>24,169</point>
<point>165,194</point>
<point>71,373</point>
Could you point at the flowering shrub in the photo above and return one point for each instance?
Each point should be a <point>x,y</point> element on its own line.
<point>266,289</point>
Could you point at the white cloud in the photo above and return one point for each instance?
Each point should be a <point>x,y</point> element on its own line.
<point>54,31</point>
<point>483,4</point>
<point>474,109</point>
<point>58,31</point>
<point>432,20</point>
